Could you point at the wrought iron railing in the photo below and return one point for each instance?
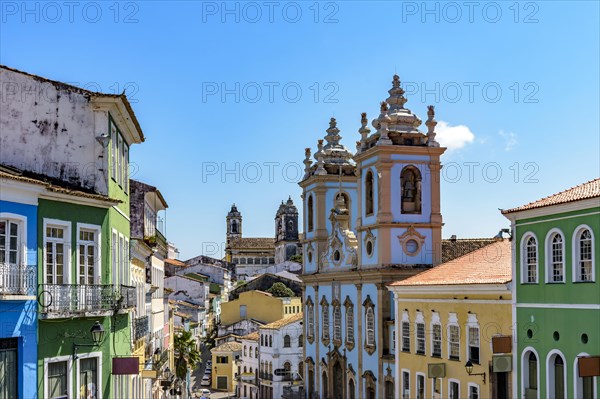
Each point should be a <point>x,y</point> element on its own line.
<point>293,393</point>
<point>266,376</point>
<point>18,279</point>
<point>72,298</point>
<point>141,327</point>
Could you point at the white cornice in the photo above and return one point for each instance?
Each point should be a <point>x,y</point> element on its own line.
<point>589,203</point>
<point>54,196</point>
<point>20,192</point>
<point>121,115</point>
<point>462,289</point>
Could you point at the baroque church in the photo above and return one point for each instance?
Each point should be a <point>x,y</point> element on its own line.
<point>371,217</point>
<point>251,254</point>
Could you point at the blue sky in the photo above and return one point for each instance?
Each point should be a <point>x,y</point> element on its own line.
<point>246,86</point>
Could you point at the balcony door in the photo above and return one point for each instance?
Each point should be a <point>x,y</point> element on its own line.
<point>88,265</point>
<point>10,272</point>
<point>57,236</point>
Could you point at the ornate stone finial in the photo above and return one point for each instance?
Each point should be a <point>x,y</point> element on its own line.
<point>431,123</point>
<point>333,133</point>
<point>320,169</point>
<point>364,132</point>
<point>396,81</point>
<point>396,99</point>
<point>307,162</point>
<point>384,121</point>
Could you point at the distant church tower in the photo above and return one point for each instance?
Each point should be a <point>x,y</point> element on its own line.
<point>286,231</point>
<point>234,224</point>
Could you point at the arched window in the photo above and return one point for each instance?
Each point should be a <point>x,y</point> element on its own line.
<point>256,352</point>
<point>530,373</point>
<point>244,350</point>
<point>370,321</point>
<point>530,259</point>
<point>369,193</point>
<point>301,370</point>
<point>584,255</point>
<point>270,341</point>
<point>234,226</point>
<point>337,324</point>
<point>262,340</point>
<point>351,389</point>
<point>287,341</point>
<point>311,213</point>
<point>325,382</point>
<point>350,325</point>
<point>325,320</point>
<point>555,269</point>
<point>287,366</point>
<point>346,202</point>
<point>410,182</point>
<point>310,320</point>
<point>300,341</point>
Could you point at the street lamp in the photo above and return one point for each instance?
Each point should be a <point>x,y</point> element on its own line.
<point>469,369</point>
<point>156,356</point>
<point>97,332</point>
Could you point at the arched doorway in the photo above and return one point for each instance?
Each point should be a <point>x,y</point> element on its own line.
<point>325,385</point>
<point>351,389</point>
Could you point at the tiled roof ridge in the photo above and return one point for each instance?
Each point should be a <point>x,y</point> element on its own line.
<point>277,324</point>
<point>542,201</point>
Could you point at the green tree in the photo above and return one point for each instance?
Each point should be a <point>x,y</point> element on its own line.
<point>296,258</point>
<point>280,290</point>
<point>186,354</point>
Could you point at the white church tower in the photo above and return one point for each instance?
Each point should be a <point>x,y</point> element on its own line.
<point>370,218</point>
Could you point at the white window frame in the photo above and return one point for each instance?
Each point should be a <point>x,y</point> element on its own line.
<point>476,386</point>
<point>403,388</point>
<point>417,375</point>
<point>550,377</point>
<point>439,395</point>
<point>21,222</point>
<point>435,321</point>
<point>370,332</point>
<point>576,254</point>
<point>525,370</point>
<point>405,319</point>
<point>119,162</point>
<point>549,261</point>
<point>67,239</point>
<point>420,321</point>
<point>69,360</point>
<point>87,356</point>
<point>325,321</point>
<point>450,382</point>
<point>350,325</point>
<point>310,322</point>
<point>114,240</point>
<point>127,264</point>
<point>98,255</point>
<point>453,322</point>
<point>524,265</point>
<point>473,323</point>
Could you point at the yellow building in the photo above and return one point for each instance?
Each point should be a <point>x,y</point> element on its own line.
<point>224,365</point>
<point>447,319</point>
<point>260,306</point>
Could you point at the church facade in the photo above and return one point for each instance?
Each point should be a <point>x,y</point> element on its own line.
<point>252,254</point>
<point>370,217</point>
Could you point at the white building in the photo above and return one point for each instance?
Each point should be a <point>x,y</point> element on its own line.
<point>248,369</point>
<point>280,361</point>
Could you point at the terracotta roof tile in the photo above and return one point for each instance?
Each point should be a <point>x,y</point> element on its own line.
<point>230,346</point>
<point>252,336</point>
<point>488,265</point>
<point>283,322</point>
<point>254,243</point>
<point>590,189</point>
<point>175,262</point>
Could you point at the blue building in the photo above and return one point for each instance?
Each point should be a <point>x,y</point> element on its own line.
<point>371,217</point>
<point>18,284</point>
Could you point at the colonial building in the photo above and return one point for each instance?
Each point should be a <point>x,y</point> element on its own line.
<point>370,218</point>
<point>455,313</point>
<point>225,367</point>
<point>248,369</point>
<point>556,268</point>
<point>251,254</point>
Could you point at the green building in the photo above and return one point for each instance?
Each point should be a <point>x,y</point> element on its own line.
<point>76,144</point>
<point>556,242</point>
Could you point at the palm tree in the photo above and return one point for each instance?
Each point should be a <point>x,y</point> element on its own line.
<point>186,354</point>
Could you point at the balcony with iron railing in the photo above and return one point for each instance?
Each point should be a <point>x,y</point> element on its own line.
<point>68,300</point>
<point>18,280</point>
<point>293,392</point>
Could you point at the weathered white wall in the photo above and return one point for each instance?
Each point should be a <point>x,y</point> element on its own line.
<point>58,127</point>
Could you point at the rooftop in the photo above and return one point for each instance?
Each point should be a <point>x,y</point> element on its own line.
<point>454,248</point>
<point>283,322</point>
<point>230,346</point>
<point>590,189</point>
<point>487,265</point>
<point>252,336</point>
<point>253,243</point>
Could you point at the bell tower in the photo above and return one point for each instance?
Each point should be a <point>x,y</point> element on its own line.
<point>234,224</point>
<point>399,187</point>
<point>286,231</point>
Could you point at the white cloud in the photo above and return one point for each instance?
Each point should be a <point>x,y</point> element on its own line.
<point>453,137</point>
<point>510,138</point>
